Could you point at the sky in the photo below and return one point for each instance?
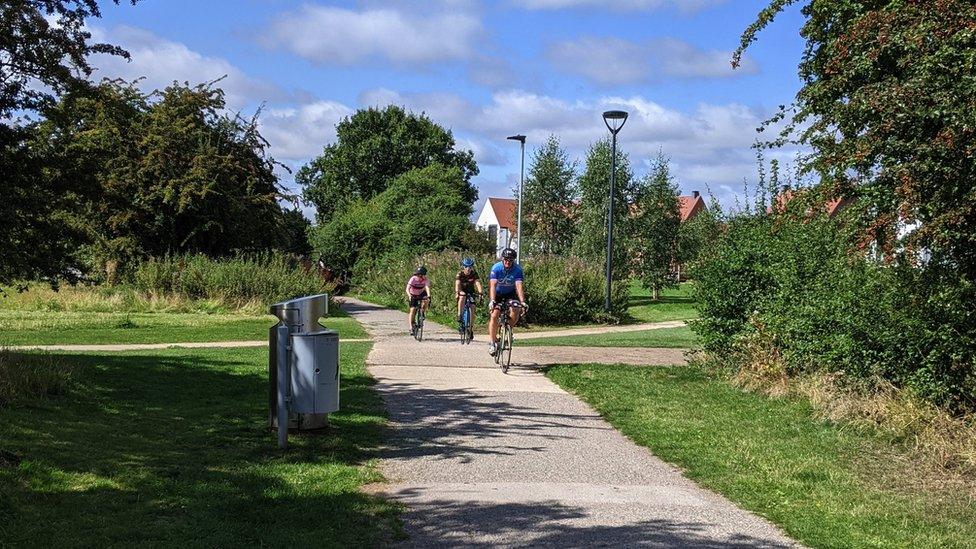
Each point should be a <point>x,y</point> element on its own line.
<point>484,70</point>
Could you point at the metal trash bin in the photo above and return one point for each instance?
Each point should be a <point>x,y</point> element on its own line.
<point>303,367</point>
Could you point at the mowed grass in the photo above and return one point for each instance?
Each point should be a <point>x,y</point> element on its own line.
<point>673,304</point>
<point>681,338</point>
<point>773,458</point>
<point>171,448</point>
<point>19,327</point>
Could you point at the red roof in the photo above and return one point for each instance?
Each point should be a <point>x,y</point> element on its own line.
<point>833,206</point>
<point>504,209</point>
<point>690,206</point>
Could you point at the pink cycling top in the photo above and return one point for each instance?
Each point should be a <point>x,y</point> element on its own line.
<point>417,285</point>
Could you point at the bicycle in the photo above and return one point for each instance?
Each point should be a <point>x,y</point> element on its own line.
<point>505,343</point>
<point>417,322</point>
<point>467,315</point>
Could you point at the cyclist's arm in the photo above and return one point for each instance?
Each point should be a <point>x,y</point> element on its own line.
<point>427,287</point>
<point>520,290</point>
<point>457,285</point>
<point>491,289</point>
<point>477,285</point>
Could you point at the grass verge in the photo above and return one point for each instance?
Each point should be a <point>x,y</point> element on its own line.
<point>678,338</point>
<point>53,328</point>
<point>774,457</point>
<point>171,448</point>
<point>674,304</point>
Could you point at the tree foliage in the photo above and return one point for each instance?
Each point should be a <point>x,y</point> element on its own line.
<point>548,200</point>
<point>591,229</point>
<point>373,147</point>
<point>420,211</point>
<point>889,106</point>
<point>44,49</point>
<point>655,222</point>
<point>163,173</point>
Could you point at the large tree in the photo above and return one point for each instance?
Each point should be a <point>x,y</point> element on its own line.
<point>655,223</point>
<point>591,228</point>
<point>374,146</point>
<point>889,106</point>
<point>422,210</point>
<point>44,50</point>
<point>548,200</point>
<point>164,173</point>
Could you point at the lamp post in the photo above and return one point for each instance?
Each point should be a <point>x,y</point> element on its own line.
<point>518,228</point>
<point>615,121</point>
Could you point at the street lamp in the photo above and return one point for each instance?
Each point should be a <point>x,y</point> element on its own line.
<point>518,229</point>
<point>615,121</point>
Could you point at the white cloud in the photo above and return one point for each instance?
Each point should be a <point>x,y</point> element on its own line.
<point>712,144</point>
<point>619,5</point>
<point>612,61</point>
<point>298,133</point>
<point>337,36</point>
<point>160,62</point>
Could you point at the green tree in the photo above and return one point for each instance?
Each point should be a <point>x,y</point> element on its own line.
<point>548,207</point>
<point>889,106</point>
<point>655,225</point>
<point>168,172</point>
<point>373,147</point>
<point>420,211</point>
<point>591,229</point>
<point>42,42</point>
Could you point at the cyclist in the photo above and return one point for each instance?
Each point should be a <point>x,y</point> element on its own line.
<point>505,286</point>
<point>418,293</point>
<point>467,282</point>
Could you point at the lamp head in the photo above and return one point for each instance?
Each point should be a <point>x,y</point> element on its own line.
<point>614,120</point>
<point>520,138</point>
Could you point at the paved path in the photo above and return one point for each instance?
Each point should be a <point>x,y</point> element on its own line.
<point>600,330</point>
<point>482,459</point>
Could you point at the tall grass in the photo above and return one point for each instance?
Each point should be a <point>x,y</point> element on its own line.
<point>266,278</point>
<point>28,376</point>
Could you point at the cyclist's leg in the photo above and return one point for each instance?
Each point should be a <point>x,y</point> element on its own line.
<point>413,310</point>
<point>493,325</point>
<point>460,306</point>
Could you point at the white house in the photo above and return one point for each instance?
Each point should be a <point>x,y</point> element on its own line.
<point>498,217</point>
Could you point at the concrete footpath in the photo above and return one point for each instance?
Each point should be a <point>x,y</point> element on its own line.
<point>481,458</point>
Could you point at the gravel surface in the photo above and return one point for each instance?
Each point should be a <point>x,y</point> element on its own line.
<point>485,459</point>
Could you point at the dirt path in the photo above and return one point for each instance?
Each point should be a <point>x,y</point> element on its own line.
<point>482,459</point>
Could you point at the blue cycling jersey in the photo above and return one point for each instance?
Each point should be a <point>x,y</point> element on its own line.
<point>506,278</point>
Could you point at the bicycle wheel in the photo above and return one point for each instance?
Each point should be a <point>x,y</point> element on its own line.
<point>464,327</point>
<point>420,325</point>
<point>507,348</point>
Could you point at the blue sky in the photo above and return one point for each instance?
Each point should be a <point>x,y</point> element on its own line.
<point>485,70</point>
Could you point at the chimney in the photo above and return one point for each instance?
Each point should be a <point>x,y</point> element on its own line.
<point>694,194</point>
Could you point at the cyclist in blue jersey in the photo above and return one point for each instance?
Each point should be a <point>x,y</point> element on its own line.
<point>505,286</point>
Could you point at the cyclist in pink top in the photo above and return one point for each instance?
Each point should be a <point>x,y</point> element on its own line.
<point>418,293</point>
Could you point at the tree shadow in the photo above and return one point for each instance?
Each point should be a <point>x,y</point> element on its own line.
<point>173,447</point>
<point>448,523</point>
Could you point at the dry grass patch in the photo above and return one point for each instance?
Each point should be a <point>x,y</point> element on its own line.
<point>29,376</point>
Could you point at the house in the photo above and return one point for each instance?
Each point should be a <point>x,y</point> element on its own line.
<point>691,206</point>
<point>498,218</point>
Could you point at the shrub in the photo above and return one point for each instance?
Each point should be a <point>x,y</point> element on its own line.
<point>559,290</point>
<point>29,376</point>
<point>267,278</point>
<point>822,303</point>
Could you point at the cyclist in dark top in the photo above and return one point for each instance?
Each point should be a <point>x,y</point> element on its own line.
<point>504,286</point>
<point>467,282</point>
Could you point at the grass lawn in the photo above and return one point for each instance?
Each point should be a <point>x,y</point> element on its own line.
<point>20,327</point>
<point>171,448</point>
<point>771,457</point>
<point>665,337</point>
<point>674,304</point>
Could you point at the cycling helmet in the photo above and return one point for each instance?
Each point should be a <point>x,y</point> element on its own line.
<point>421,270</point>
<point>467,263</point>
<point>509,253</point>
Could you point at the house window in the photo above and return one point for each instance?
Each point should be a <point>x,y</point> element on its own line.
<point>493,233</point>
